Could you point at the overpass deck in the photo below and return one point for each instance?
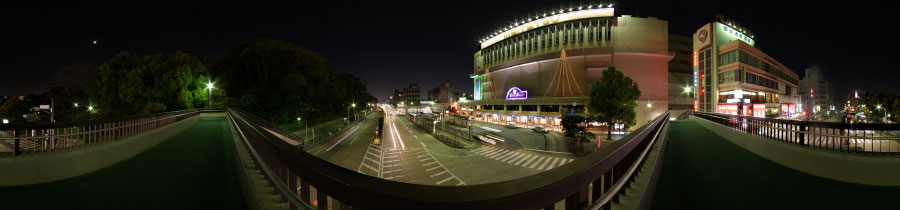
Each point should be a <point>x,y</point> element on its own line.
<point>702,170</point>
<point>193,170</point>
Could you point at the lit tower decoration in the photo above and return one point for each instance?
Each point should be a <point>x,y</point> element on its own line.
<point>564,79</point>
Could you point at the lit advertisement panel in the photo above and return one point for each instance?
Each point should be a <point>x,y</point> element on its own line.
<point>725,34</point>
<point>576,15</point>
<point>759,110</point>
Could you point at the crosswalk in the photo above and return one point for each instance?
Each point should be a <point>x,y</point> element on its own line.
<point>372,162</point>
<point>522,159</point>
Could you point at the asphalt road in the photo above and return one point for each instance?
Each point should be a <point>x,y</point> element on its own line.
<point>408,154</point>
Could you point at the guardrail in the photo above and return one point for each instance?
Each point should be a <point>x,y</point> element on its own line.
<point>294,173</point>
<point>859,138</point>
<point>33,138</point>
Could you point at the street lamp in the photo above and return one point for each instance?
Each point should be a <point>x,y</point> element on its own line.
<point>649,105</point>
<point>348,113</point>
<point>209,87</point>
<point>76,105</point>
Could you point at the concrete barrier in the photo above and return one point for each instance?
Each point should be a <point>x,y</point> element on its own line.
<point>860,169</point>
<point>48,167</point>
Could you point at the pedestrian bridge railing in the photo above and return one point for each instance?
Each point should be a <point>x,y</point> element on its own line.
<point>36,138</point>
<point>304,181</point>
<point>857,138</point>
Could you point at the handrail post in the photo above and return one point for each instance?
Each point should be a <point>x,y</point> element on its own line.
<point>802,135</point>
<point>17,147</point>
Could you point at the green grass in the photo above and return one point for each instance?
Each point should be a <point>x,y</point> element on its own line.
<point>704,171</point>
<point>193,170</point>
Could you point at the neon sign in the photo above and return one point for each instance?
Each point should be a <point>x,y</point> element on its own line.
<point>515,93</point>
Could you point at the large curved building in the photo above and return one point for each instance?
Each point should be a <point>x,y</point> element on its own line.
<point>528,74</point>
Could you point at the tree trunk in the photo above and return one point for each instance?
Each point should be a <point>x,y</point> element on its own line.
<point>609,128</point>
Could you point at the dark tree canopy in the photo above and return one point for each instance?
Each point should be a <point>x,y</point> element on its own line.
<point>279,81</point>
<point>612,99</point>
<point>131,84</point>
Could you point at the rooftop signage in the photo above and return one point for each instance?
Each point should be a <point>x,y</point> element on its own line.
<point>515,93</point>
<point>728,33</point>
<point>555,17</point>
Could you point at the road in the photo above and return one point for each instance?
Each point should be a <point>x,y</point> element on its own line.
<point>408,154</point>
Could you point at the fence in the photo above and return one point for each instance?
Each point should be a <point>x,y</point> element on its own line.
<point>454,133</point>
<point>36,138</point>
<point>595,180</point>
<point>859,138</point>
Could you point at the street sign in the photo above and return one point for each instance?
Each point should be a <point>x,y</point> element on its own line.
<point>45,106</point>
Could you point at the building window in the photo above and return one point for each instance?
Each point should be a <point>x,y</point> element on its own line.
<point>512,107</point>
<point>565,34</point>
<point>549,108</point>
<point>529,108</point>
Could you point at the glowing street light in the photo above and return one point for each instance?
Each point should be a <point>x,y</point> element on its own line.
<point>90,108</point>
<point>76,105</point>
<point>687,89</point>
<point>209,87</point>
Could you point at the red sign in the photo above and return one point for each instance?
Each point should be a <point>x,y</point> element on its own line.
<point>702,36</point>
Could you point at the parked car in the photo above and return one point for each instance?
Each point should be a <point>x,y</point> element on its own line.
<point>540,129</point>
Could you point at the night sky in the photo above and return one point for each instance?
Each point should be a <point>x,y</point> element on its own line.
<point>389,45</point>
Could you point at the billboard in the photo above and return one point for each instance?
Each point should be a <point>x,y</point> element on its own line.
<point>725,34</point>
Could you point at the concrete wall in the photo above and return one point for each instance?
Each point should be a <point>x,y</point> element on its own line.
<point>40,168</point>
<point>859,169</point>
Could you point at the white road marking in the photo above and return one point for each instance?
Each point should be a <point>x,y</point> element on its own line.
<point>438,174</point>
<point>514,158</point>
<point>445,180</point>
<point>421,156</point>
<point>370,167</point>
<point>500,157</point>
<point>386,166</point>
<point>545,163</point>
<point>570,160</point>
<point>536,162</point>
<point>436,167</point>
<point>552,163</point>
<point>485,151</point>
<point>369,152</point>
<point>423,144</point>
<point>370,159</point>
<point>523,159</point>
<point>479,149</point>
<point>427,164</point>
<point>392,156</point>
<point>563,162</point>
<point>426,159</point>
<point>504,152</point>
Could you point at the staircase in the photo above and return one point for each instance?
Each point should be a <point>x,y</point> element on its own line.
<point>263,192</point>
<point>638,194</point>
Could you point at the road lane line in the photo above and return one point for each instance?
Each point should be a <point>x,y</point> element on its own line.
<point>499,154</point>
<point>445,180</point>
<point>500,157</point>
<point>492,152</point>
<point>563,162</point>
<point>436,167</point>
<point>370,167</point>
<point>552,163</point>
<point>523,159</point>
<point>425,159</point>
<point>536,162</point>
<point>370,159</point>
<point>438,174</point>
<point>421,156</point>
<point>545,163</point>
<point>423,144</point>
<point>512,159</point>
<point>570,160</point>
<point>427,164</point>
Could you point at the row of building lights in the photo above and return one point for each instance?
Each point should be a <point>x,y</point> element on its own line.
<point>518,23</point>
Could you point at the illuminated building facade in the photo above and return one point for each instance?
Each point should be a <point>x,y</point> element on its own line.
<point>530,73</point>
<point>732,76</point>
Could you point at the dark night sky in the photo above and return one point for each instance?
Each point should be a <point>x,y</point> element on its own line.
<point>389,45</point>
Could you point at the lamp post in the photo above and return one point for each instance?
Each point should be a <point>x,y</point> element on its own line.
<point>209,87</point>
<point>348,113</point>
<point>649,105</point>
<point>305,129</point>
<point>90,112</point>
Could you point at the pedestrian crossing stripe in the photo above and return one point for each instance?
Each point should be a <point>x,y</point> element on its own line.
<point>523,159</point>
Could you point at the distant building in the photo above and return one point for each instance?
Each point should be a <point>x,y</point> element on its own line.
<point>815,91</point>
<point>732,76</point>
<point>441,94</point>
<point>856,100</point>
<point>680,73</point>
<point>411,95</point>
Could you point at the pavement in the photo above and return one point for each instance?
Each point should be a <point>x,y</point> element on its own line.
<point>701,170</point>
<point>193,170</point>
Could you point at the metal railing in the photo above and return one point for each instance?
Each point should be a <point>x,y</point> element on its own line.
<point>858,138</point>
<point>33,138</point>
<point>295,173</point>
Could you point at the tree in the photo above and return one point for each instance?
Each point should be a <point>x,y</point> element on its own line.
<point>13,109</point>
<point>278,81</point>
<point>572,124</point>
<point>131,84</point>
<point>612,99</point>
